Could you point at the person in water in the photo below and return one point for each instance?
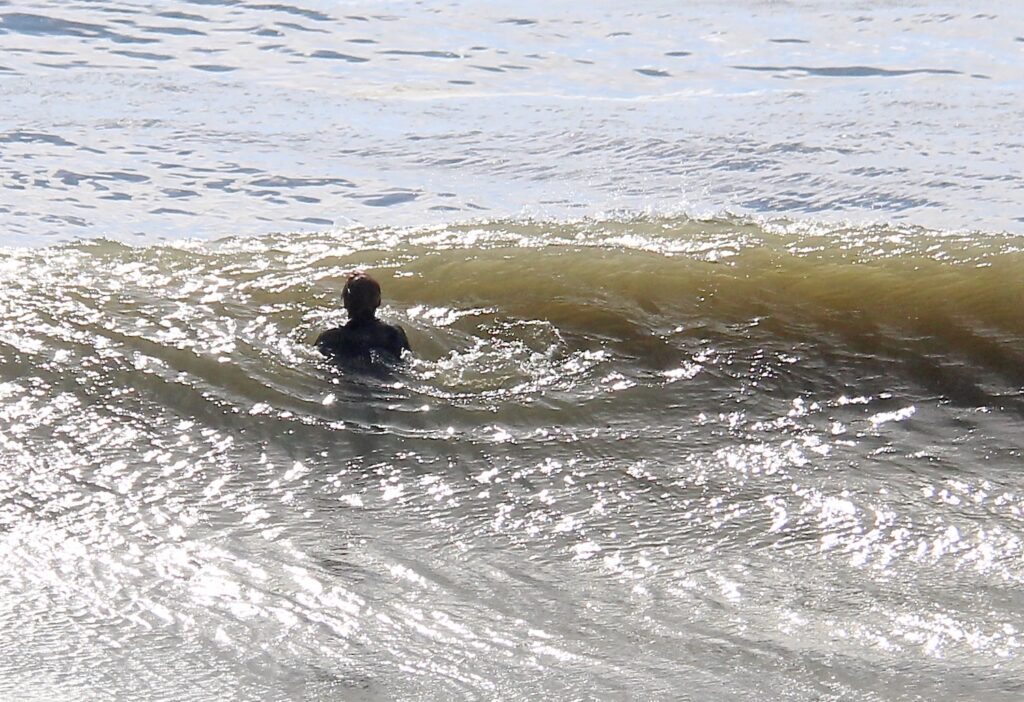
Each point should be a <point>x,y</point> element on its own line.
<point>364,334</point>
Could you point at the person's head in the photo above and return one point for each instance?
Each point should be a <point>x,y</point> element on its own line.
<point>361,296</point>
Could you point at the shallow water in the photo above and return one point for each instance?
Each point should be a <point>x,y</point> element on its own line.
<point>719,327</point>
<point>781,464</point>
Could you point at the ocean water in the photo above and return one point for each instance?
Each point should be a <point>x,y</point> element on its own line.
<point>718,319</point>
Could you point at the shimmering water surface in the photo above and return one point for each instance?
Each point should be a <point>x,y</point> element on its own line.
<point>719,326</point>
<point>135,120</point>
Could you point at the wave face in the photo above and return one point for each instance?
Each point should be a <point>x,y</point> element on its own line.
<point>629,457</point>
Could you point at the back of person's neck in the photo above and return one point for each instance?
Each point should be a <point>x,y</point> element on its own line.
<point>360,320</point>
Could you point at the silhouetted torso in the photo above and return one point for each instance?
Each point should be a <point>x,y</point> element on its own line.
<point>359,338</point>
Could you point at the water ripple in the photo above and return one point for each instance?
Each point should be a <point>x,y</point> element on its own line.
<point>600,121</point>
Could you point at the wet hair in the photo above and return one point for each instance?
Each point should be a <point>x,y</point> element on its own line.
<point>361,293</point>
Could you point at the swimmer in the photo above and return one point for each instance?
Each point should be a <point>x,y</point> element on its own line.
<point>364,333</point>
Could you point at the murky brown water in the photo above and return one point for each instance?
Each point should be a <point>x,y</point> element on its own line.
<point>647,458</point>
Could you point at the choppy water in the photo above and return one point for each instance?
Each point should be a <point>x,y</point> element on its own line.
<point>653,458</point>
<point>136,120</point>
<point>683,454</point>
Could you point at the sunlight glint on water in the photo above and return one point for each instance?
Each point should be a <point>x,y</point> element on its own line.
<point>753,487</point>
<point>759,442</point>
